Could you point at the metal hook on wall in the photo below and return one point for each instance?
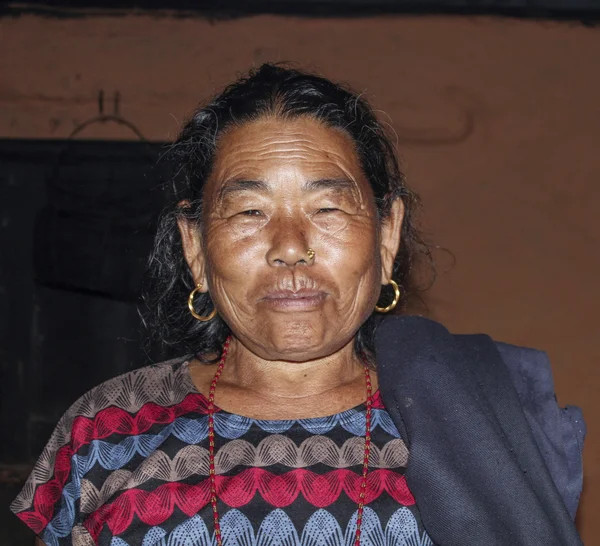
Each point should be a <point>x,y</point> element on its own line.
<point>115,117</point>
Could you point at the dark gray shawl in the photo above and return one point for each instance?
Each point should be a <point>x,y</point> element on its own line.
<point>493,460</point>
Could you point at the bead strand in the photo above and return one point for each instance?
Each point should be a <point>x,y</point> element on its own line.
<point>211,442</point>
<point>365,470</point>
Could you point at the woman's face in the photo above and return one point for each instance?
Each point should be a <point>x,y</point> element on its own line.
<point>277,188</point>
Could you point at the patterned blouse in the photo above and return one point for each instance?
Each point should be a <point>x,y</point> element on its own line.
<point>128,465</point>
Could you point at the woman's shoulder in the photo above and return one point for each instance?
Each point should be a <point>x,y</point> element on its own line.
<point>109,407</point>
<point>164,384</point>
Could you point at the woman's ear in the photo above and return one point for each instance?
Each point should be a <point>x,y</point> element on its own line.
<point>191,239</point>
<point>391,228</point>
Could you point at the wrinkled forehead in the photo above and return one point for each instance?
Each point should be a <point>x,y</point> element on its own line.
<point>284,153</point>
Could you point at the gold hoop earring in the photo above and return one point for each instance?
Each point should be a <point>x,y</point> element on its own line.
<point>396,299</point>
<point>191,306</point>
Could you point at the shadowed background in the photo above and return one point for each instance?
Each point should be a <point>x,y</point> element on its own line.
<point>498,125</point>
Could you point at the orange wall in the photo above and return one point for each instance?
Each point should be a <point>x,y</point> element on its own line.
<point>498,123</point>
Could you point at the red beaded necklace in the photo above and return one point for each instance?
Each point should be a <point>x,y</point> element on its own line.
<point>211,449</point>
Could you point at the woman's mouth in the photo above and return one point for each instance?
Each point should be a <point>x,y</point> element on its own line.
<point>290,300</point>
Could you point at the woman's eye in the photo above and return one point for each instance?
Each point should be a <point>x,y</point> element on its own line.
<point>251,212</point>
<point>327,209</point>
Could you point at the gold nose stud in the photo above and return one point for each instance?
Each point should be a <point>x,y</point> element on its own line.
<point>310,253</point>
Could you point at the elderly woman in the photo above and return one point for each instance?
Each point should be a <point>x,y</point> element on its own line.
<point>300,415</point>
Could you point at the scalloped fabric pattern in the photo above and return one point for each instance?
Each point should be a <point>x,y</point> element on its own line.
<point>128,464</point>
<point>277,529</point>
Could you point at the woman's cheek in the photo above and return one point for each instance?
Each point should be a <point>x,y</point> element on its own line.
<point>352,237</point>
<point>331,224</point>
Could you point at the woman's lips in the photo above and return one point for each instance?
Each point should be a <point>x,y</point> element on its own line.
<point>301,300</point>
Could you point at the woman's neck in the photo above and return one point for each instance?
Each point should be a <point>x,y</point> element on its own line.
<point>291,380</point>
<point>265,389</point>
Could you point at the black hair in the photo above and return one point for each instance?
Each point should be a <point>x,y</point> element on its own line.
<point>271,90</point>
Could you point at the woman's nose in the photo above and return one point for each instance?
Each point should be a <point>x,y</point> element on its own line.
<point>289,245</point>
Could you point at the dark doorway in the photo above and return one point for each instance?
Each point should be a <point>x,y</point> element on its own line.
<point>77,221</point>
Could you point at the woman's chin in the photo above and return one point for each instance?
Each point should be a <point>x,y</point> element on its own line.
<point>297,344</point>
